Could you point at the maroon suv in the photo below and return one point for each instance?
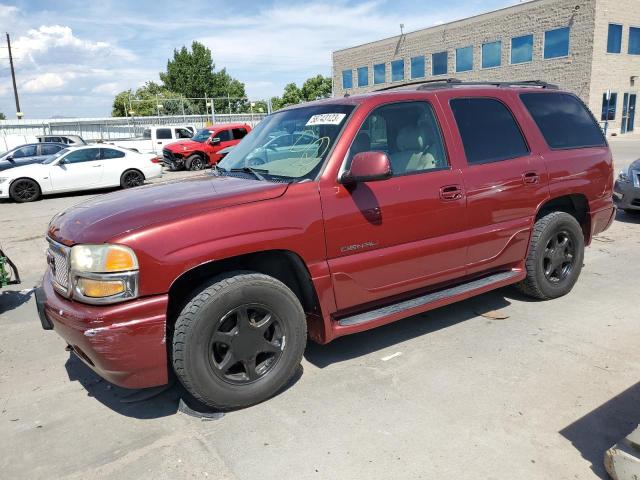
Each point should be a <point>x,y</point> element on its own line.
<point>375,208</point>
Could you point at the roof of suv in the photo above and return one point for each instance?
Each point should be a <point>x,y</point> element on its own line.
<point>226,125</point>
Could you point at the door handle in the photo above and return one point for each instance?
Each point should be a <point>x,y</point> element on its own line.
<point>530,178</point>
<point>451,192</point>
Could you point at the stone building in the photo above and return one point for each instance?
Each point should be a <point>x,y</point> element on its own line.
<point>589,47</point>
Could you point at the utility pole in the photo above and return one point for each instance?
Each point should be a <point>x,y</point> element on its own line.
<point>13,77</point>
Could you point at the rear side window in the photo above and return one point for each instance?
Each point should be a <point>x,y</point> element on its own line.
<point>163,134</point>
<point>563,120</point>
<point>108,153</point>
<point>488,130</point>
<point>239,133</point>
<point>51,149</point>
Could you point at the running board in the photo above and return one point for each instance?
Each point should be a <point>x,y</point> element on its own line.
<point>480,284</point>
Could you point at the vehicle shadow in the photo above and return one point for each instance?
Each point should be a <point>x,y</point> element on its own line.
<point>11,299</point>
<point>364,343</point>
<point>628,217</point>
<point>596,432</point>
<point>147,403</point>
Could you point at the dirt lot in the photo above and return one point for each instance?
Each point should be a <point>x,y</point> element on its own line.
<point>453,393</point>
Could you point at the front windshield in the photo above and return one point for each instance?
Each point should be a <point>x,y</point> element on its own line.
<point>291,144</point>
<point>202,136</point>
<point>56,156</point>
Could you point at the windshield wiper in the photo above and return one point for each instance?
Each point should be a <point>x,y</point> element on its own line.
<point>255,171</point>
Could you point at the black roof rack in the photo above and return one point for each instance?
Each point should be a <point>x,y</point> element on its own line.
<point>454,82</point>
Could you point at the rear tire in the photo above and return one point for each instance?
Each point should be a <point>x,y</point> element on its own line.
<point>24,190</point>
<point>239,340</point>
<point>131,178</point>
<point>195,162</point>
<point>556,253</point>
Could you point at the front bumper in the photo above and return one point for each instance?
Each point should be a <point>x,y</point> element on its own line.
<point>171,160</point>
<point>626,195</point>
<point>123,343</point>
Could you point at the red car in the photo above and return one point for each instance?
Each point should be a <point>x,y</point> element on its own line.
<point>331,218</point>
<point>202,150</point>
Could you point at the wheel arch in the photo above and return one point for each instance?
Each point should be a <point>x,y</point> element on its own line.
<point>575,204</point>
<point>283,265</point>
<point>25,178</point>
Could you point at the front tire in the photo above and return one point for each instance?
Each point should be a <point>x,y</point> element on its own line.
<point>195,162</point>
<point>555,258</point>
<point>239,340</point>
<point>24,190</point>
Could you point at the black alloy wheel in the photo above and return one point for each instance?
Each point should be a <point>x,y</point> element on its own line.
<point>559,257</point>
<point>24,190</point>
<point>246,344</point>
<point>132,178</point>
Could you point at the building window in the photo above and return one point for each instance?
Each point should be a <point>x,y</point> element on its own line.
<point>397,70</point>
<point>464,59</point>
<point>347,79</point>
<point>614,38</point>
<point>379,73</point>
<point>634,40</point>
<point>522,49</point>
<point>488,130</point>
<point>439,63</point>
<point>609,106</point>
<point>363,76</point>
<point>556,43</point>
<point>492,54</point>
<point>417,67</point>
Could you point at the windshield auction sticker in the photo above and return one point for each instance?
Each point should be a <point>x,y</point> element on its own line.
<point>326,119</point>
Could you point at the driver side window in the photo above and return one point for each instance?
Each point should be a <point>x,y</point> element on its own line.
<point>408,133</point>
<point>223,135</point>
<point>84,155</point>
<point>29,151</point>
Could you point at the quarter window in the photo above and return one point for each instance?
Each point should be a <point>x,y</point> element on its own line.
<point>417,67</point>
<point>563,120</point>
<point>556,43</point>
<point>488,130</point>
<point>522,49</point>
<point>634,41</point>
<point>439,63</point>
<point>163,134</point>
<point>464,59</point>
<point>407,132</point>
<point>109,153</point>
<point>614,38</point>
<point>347,79</point>
<point>492,54</point>
<point>379,73</point>
<point>397,70</point>
<point>84,155</point>
<point>609,106</point>
<point>363,76</point>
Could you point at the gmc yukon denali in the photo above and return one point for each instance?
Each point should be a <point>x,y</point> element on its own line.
<point>392,203</point>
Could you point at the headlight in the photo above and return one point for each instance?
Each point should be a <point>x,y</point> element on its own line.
<point>622,176</point>
<point>104,273</point>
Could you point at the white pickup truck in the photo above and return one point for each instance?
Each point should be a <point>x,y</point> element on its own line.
<point>155,138</point>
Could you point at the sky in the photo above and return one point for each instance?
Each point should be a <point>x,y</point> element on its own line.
<point>71,58</point>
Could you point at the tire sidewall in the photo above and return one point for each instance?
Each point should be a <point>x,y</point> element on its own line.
<point>122,183</point>
<point>560,222</point>
<point>207,385</point>
<point>20,200</point>
<point>192,159</point>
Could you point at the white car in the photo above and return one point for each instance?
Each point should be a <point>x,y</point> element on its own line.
<point>79,168</point>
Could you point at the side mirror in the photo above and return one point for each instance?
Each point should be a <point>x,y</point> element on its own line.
<point>215,141</point>
<point>62,161</point>
<point>367,167</point>
<point>10,158</point>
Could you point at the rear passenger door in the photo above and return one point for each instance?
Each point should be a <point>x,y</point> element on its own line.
<point>504,179</point>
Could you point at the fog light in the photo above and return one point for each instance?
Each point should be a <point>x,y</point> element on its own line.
<point>100,288</point>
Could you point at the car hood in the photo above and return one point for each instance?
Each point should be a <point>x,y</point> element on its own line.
<point>101,219</point>
<point>183,145</point>
<point>25,170</point>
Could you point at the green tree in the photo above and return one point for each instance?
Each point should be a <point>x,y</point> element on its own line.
<point>192,74</point>
<point>145,102</point>
<point>313,88</point>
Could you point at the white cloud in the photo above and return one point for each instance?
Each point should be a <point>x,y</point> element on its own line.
<point>110,88</point>
<point>47,82</point>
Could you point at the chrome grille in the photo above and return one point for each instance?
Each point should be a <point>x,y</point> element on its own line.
<point>58,258</point>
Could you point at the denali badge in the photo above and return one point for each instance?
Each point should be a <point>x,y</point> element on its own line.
<point>358,246</point>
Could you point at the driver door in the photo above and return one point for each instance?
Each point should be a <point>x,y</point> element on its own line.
<point>225,140</point>
<point>77,170</point>
<point>390,237</point>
